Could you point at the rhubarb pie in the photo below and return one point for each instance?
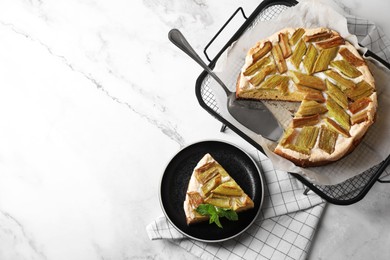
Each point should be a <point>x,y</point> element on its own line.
<point>210,184</point>
<point>326,74</point>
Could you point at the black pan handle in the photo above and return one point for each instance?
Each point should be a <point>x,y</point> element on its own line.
<point>222,28</point>
<point>383,166</point>
<point>373,55</point>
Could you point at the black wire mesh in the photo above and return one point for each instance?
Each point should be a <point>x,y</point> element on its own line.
<point>208,95</point>
<point>350,189</point>
<point>347,192</point>
<point>205,90</point>
<point>269,14</point>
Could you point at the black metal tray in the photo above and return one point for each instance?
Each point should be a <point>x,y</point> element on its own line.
<point>345,193</point>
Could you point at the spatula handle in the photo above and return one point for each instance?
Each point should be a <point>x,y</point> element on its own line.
<point>177,38</point>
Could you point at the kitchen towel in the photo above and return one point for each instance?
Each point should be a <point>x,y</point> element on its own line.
<point>288,219</point>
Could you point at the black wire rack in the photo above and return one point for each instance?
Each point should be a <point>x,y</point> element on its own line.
<point>345,193</point>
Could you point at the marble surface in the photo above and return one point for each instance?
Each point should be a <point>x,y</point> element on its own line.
<point>94,101</point>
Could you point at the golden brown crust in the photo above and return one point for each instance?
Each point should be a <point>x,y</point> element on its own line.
<point>238,90</point>
<point>191,221</point>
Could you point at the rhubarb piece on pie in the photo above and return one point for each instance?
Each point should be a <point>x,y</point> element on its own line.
<point>336,127</point>
<point>336,93</point>
<point>359,105</point>
<point>318,36</point>
<point>258,65</point>
<point>346,68</point>
<point>284,45</point>
<point>296,36</point>
<point>325,56</point>
<point>362,89</point>
<point>298,53</point>
<point>307,137</point>
<point>211,184</point>
<point>305,121</point>
<point>310,107</point>
<point>260,76</point>
<point>359,118</point>
<point>327,141</point>
<point>311,94</point>
<point>261,51</point>
<point>342,82</point>
<point>288,136</point>
<point>338,113</point>
<point>351,58</point>
<point>331,42</point>
<point>279,58</point>
<point>310,58</point>
<point>308,80</point>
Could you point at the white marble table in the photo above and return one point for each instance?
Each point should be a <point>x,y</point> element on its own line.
<point>94,101</point>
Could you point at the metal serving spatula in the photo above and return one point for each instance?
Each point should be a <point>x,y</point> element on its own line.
<point>252,114</point>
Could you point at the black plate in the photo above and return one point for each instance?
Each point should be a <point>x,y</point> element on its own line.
<point>241,167</point>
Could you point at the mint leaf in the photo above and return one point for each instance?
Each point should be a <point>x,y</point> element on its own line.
<point>203,209</point>
<point>231,215</point>
<point>215,213</point>
<point>227,213</point>
<point>212,210</point>
<point>215,218</point>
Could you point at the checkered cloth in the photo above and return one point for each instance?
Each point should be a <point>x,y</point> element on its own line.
<point>370,36</point>
<point>288,219</point>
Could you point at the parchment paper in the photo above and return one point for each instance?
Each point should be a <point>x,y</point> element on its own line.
<point>375,146</point>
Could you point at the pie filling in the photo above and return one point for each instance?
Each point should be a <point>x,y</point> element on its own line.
<point>332,82</point>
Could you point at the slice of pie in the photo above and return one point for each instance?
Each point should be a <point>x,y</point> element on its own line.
<point>326,74</point>
<point>211,184</point>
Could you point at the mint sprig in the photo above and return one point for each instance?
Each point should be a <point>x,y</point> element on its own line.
<point>215,213</point>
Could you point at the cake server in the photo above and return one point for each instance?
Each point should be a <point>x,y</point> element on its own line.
<point>252,114</point>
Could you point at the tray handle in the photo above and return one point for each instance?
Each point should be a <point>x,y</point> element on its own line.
<point>239,9</point>
<point>383,181</point>
<point>384,165</point>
